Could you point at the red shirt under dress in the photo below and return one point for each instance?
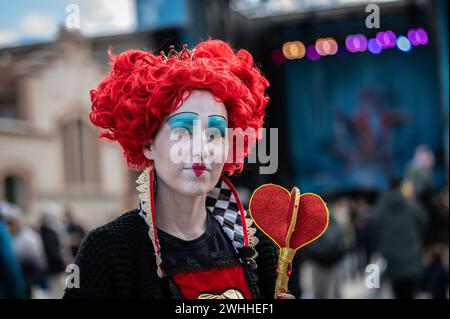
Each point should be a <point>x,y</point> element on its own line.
<point>207,267</point>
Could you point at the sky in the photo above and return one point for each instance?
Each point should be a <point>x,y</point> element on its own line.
<point>30,21</point>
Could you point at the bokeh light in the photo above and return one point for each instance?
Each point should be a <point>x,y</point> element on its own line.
<point>326,46</point>
<point>294,50</point>
<point>403,44</point>
<point>375,46</point>
<point>387,39</point>
<point>356,43</point>
<point>422,36</point>
<point>353,43</point>
<point>311,53</point>
<point>418,36</point>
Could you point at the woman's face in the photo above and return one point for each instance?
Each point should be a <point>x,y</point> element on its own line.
<point>191,145</point>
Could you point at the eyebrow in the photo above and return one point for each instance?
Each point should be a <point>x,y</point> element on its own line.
<point>217,120</point>
<point>218,116</point>
<point>179,114</point>
<point>214,115</point>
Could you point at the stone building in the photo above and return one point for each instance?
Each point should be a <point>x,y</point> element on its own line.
<point>49,152</point>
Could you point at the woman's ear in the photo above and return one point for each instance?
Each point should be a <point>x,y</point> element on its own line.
<point>147,150</point>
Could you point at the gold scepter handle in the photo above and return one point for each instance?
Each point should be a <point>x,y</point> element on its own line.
<point>284,259</point>
<point>286,253</point>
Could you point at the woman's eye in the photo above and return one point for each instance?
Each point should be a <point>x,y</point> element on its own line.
<point>181,132</point>
<point>213,134</point>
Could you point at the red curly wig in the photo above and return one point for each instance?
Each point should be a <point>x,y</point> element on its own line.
<point>142,90</point>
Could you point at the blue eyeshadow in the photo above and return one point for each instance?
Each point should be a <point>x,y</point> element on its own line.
<point>218,122</point>
<point>184,120</point>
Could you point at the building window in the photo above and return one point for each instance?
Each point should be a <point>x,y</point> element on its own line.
<point>13,94</point>
<point>81,158</point>
<point>8,110</point>
<point>15,190</point>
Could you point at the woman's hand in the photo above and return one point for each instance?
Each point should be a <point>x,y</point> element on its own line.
<point>284,296</point>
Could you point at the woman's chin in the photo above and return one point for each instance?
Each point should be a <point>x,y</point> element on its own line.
<point>193,188</point>
<point>195,184</point>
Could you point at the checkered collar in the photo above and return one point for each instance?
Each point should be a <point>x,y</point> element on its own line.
<point>224,204</point>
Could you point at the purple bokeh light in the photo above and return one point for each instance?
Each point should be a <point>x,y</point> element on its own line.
<point>375,46</point>
<point>311,53</point>
<point>387,39</point>
<point>356,43</point>
<point>418,36</point>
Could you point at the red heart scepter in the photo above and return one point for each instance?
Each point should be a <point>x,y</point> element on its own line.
<point>290,220</point>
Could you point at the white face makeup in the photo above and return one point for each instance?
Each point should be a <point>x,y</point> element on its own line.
<point>196,170</point>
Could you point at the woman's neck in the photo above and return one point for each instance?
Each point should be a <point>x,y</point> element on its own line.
<point>178,215</point>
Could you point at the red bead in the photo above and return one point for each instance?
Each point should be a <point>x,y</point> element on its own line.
<point>289,271</point>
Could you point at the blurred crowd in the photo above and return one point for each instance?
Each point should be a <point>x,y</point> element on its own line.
<point>33,260</point>
<point>389,244</point>
<point>392,244</point>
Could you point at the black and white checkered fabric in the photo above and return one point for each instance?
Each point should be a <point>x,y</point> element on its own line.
<point>142,212</point>
<point>222,204</point>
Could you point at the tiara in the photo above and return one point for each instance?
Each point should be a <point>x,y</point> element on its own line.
<point>185,54</point>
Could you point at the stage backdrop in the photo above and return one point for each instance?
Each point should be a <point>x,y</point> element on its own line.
<point>356,118</point>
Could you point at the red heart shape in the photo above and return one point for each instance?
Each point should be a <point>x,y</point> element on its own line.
<point>271,208</point>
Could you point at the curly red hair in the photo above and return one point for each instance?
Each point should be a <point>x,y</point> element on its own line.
<point>141,91</point>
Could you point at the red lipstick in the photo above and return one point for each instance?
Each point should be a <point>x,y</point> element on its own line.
<point>198,168</point>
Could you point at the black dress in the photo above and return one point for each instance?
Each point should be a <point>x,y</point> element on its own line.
<point>117,260</point>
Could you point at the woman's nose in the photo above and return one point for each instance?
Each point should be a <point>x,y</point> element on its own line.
<point>199,146</point>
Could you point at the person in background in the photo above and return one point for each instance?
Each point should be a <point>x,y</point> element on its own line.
<point>55,240</point>
<point>75,231</point>
<point>434,279</point>
<point>362,223</point>
<point>399,225</point>
<point>12,285</point>
<point>419,173</point>
<point>52,244</point>
<point>326,254</point>
<point>342,216</point>
<point>437,207</point>
<point>28,248</point>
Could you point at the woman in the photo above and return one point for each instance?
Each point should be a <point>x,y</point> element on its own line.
<point>191,237</point>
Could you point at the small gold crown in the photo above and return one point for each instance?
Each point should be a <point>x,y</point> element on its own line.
<point>185,54</point>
